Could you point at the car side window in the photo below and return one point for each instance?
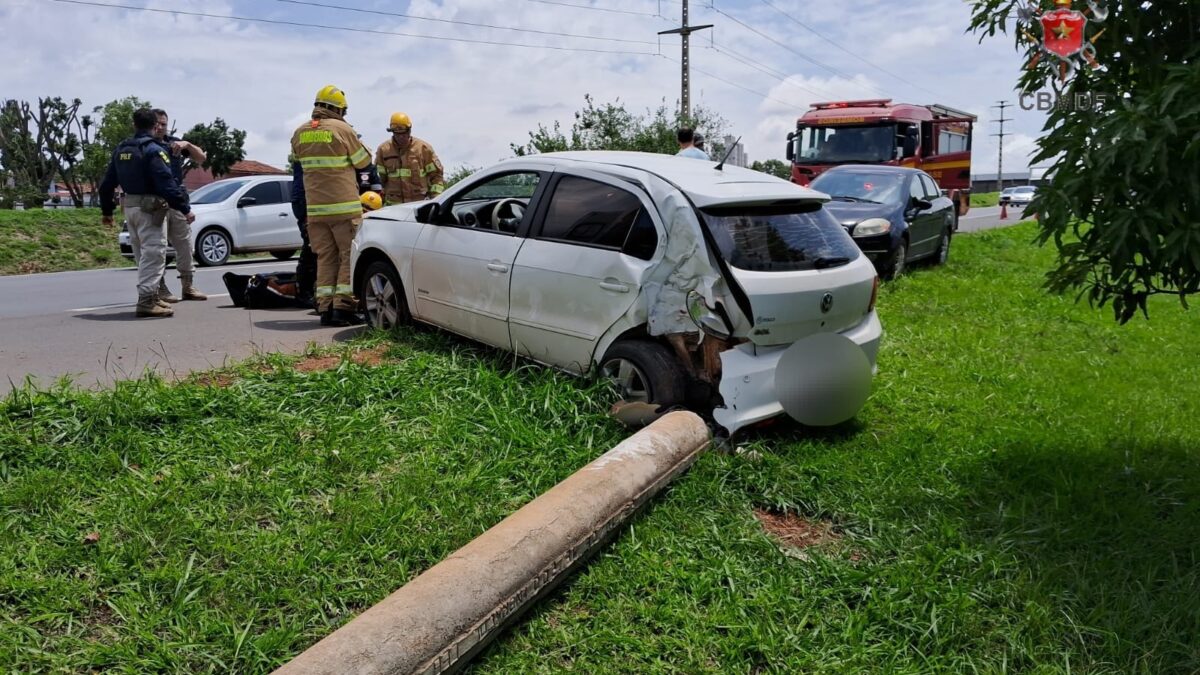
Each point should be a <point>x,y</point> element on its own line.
<point>915,189</point>
<point>592,213</point>
<point>497,204</point>
<point>265,193</point>
<point>931,189</point>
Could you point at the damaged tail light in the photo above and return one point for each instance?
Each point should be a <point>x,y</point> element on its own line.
<point>874,294</point>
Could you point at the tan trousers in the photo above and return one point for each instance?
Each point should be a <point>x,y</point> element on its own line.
<point>147,238</point>
<point>179,233</point>
<point>331,241</point>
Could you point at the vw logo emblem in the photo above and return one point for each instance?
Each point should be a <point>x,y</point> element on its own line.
<point>826,303</point>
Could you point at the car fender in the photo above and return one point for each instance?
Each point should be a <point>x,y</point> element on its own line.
<point>391,240</point>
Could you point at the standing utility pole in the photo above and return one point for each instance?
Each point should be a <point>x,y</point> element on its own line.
<point>685,100</point>
<point>1004,105</point>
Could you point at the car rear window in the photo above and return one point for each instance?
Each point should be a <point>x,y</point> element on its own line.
<point>780,237</point>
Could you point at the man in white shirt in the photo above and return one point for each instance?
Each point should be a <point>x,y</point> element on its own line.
<point>687,144</point>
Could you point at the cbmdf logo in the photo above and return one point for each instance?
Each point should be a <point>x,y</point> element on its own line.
<point>1064,38</point>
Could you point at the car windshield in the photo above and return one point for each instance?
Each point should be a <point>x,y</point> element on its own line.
<point>842,144</point>
<point>214,193</point>
<point>1024,190</point>
<point>779,238</point>
<point>854,186</point>
<point>514,185</point>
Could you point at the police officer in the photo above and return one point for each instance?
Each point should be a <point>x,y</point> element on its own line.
<point>142,168</point>
<point>178,231</point>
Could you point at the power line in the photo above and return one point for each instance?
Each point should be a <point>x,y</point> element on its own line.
<point>596,9</point>
<point>811,60</point>
<point>732,84</point>
<point>765,69</point>
<point>300,24</point>
<point>344,8</point>
<point>814,31</point>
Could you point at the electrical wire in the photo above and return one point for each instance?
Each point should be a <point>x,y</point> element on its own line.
<point>765,69</point>
<point>734,84</point>
<point>595,9</point>
<point>344,8</point>
<point>300,24</point>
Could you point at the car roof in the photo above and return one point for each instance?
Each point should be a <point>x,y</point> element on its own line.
<point>873,168</point>
<point>705,185</point>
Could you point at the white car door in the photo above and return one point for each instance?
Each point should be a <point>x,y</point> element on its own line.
<point>462,263</point>
<point>581,268</point>
<point>261,223</point>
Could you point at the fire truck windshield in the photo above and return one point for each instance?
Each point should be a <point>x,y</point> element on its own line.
<point>843,144</point>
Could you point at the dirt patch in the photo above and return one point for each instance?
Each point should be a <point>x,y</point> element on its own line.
<point>219,380</point>
<point>316,364</point>
<point>796,532</point>
<point>370,357</point>
<point>30,267</point>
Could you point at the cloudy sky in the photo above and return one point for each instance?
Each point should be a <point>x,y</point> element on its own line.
<point>474,89</point>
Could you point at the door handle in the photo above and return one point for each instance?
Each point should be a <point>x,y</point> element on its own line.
<point>497,267</point>
<point>283,215</point>
<point>615,286</point>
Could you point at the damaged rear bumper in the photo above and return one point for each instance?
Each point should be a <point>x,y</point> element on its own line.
<point>749,374</point>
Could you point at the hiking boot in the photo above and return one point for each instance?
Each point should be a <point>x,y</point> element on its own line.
<point>190,292</point>
<point>164,293</point>
<point>343,317</point>
<point>162,303</point>
<point>148,306</point>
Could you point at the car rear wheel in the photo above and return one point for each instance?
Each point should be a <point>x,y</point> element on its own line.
<point>283,255</point>
<point>213,247</point>
<point>383,297</point>
<point>943,250</point>
<point>646,372</point>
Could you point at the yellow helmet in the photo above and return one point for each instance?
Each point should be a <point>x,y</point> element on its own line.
<point>332,96</point>
<point>399,122</point>
<point>371,201</point>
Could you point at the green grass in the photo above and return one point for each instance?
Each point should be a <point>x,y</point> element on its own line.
<point>985,198</point>
<point>56,240</point>
<point>1020,494</point>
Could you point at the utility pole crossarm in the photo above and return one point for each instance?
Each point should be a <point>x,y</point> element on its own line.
<point>685,31</point>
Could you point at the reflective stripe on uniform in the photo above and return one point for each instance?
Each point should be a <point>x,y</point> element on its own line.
<point>324,291</point>
<point>429,168</point>
<point>437,188</point>
<point>360,156</point>
<point>346,289</point>
<point>339,209</point>
<point>324,163</point>
<point>402,173</point>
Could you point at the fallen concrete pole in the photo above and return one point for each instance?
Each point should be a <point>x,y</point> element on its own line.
<point>438,621</point>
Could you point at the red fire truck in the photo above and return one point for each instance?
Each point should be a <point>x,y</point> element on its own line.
<point>933,138</point>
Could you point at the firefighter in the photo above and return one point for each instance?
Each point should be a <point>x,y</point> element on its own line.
<point>142,169</point>
<point>408,166</point>
<point>331,155</point>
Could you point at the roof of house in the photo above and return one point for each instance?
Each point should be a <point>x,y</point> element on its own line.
<point>247,167</point>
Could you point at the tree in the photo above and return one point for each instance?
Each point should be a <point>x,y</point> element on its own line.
<point>612,127</point>
<point>459,173</point>
<point>774,167</point>
<point>1123,208</point>
<point>223,145</point>
<point>113,123</point>
<point>37,145</point>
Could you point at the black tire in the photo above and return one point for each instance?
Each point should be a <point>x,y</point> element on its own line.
<point>662,379</point>
<point>942,254</point>
<point>213,247</point>
<point>897,262</point>
<point>282,255</point>
<point>383,297</point>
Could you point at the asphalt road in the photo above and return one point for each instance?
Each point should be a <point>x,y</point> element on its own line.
<point>82,324</point>
<point>986,218</point>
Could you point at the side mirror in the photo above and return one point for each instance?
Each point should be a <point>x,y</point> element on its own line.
<point>428,213</point>
<point>922,204</point>
<point>247,201</point>
<point>791,146</point>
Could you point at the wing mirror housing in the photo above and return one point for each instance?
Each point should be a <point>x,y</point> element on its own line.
<point>791,146</point>
<point>246,201</point>
<point>713,322</point>
<point>922,204</point>
<point>428,213</point>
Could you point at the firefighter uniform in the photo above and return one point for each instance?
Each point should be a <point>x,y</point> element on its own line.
<point>409,173</point>
<point>330,155</point>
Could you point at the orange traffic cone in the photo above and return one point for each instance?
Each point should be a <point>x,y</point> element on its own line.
<point>1004,212</point>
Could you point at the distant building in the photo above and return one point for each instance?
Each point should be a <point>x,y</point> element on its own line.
<point>738,156</point>
<point>247,167</point>
<point>986,182</point>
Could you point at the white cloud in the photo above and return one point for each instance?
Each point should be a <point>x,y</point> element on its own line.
<point>472,100</point>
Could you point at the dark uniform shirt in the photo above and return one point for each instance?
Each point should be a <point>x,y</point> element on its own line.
<point>140,166</point>
<point>177,160</point>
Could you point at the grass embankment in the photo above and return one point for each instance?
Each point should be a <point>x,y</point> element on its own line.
<point>57,240</point>
<point>1021,493</point>
<point>985,199</point>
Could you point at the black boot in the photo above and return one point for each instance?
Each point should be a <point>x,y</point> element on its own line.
<point>343,317</point>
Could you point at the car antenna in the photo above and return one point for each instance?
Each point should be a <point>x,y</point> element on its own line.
<point>721,165</point>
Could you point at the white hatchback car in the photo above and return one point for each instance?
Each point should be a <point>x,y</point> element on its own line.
<point>239,215</point>
<point>685,283</point>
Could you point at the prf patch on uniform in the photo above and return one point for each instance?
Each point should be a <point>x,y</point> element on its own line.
<point>316,136</point>
<point>126,156</point>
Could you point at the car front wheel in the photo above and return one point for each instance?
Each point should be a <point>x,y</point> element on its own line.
<point>645,372</point>
<point>213,248</point>
<point>896,263</point>
<point>943,251</point>
<point>383,296</point>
